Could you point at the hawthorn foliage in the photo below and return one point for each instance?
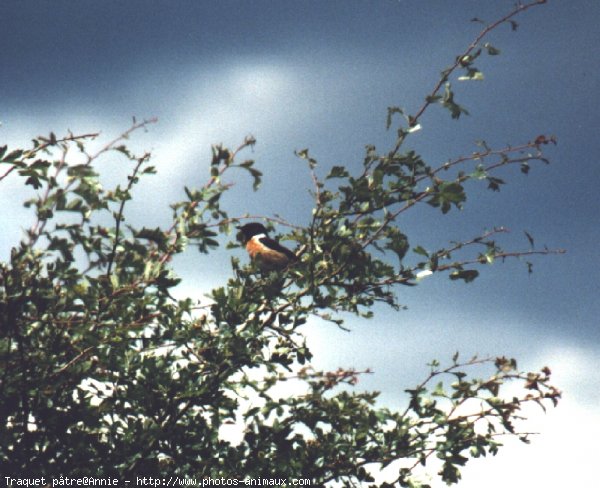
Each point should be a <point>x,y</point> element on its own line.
<point>104,373</point>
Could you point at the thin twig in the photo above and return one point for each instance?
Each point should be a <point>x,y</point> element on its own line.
<point>119,217</point>
<point>429,100</point>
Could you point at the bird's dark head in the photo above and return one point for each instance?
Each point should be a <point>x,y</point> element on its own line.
<point>252,229</point>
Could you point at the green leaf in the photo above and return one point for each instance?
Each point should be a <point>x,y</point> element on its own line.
<point>494,183</point>
<point>420,250</point>
<point>76,205</point>
<point>449,103</point>
<point>114,281</point>
<point>439,390</point>
<point>480,173</point>
<point>155,235</point>
<point>529,238</point>
<point>337,172</point>
<point>448,193</point>
<point>13,155</point>
<point>257,178</point>
<point>123,150</point>
<point>473,74</point>
<point>492,51</point>
<point>390,112</point>
<point>398,244</point>
<point>529,267</point>
<point>467,275</point>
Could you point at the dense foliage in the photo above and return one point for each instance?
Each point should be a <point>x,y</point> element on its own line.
<point>104,373</point>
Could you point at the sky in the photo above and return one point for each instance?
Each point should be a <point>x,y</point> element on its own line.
<point>321,75</point>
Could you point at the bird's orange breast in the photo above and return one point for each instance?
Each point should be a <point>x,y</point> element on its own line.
<point>266,258</point>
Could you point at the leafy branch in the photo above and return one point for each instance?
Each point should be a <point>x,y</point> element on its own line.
<point>465,61</point>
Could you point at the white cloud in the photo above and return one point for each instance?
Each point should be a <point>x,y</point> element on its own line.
<point>223,104</point>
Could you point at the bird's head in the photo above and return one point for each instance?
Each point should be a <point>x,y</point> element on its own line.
<point>252,229</point>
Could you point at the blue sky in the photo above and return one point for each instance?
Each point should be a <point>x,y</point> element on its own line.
<point>321,75</point>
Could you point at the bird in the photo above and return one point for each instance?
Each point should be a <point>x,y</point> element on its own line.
<point>267,253</point>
